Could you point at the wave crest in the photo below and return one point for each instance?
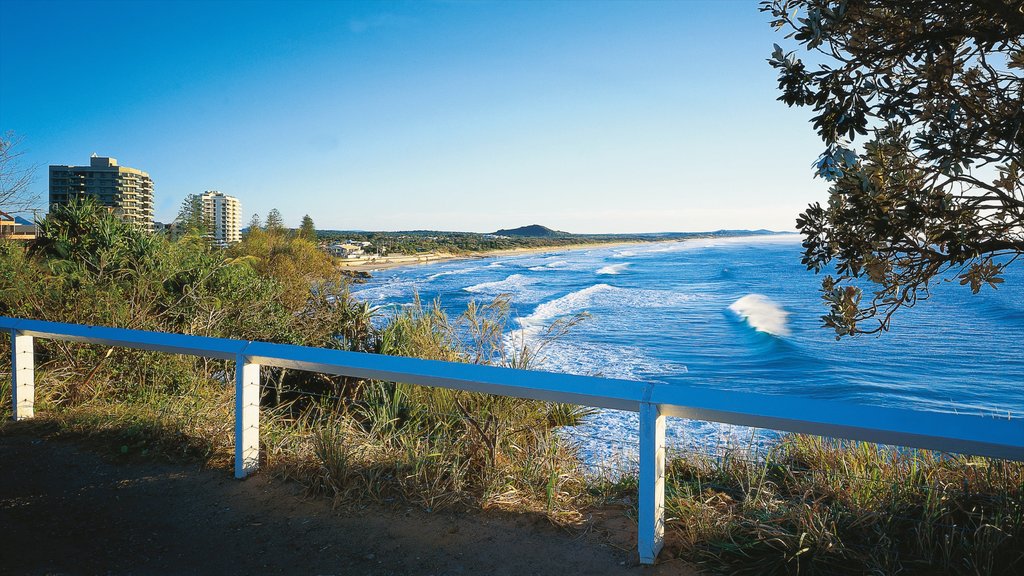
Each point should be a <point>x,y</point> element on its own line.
<point>571,302</point>
<point>514,283</point>
<point>762,314</point>
<point>613,269</point>
<point>452,273</point>
<point>554,265</point>
<point>603,295</point>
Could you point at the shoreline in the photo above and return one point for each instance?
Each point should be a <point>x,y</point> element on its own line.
<point>401,260</point>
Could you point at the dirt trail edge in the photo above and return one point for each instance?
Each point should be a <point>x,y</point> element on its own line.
<point>65,509</point>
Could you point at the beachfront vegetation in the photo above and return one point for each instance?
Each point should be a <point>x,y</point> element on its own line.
<point>307,231</point>
<point>426,241</point>
<point>432,241</point>
<point>254,224</point>
<point>816,506</point>
<point>192,219</point>
<point>935,189</point>
<point>808,506</point>
<point>432,446</point>
<point>275,221</point>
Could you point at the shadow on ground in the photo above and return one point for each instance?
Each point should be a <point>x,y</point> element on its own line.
<point>66,509</point>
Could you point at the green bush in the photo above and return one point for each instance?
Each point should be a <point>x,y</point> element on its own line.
<point>436,447</point>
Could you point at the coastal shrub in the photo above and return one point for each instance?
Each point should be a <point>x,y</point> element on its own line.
<point>295,263</point>
<point>432,447</point>
<point>818,506</point>
<point>90,267</point>
<point>439,447</point>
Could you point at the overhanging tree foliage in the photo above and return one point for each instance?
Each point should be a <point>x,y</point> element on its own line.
<point>934,191</point>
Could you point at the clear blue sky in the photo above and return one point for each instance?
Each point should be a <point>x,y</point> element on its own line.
<point>582,116</point>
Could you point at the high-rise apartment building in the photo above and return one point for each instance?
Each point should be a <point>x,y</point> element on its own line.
<point>126,191</point>
<point>223,215</point>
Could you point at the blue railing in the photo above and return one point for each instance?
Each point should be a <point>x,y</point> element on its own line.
<point>997,437</point>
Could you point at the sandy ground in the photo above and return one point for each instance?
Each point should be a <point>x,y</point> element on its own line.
<point>397,260</point>
<point>72,508</point>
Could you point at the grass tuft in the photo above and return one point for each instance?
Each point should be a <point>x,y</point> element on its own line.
<point>818,506</point>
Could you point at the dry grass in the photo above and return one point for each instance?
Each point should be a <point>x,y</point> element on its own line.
<point>809,506</point>
<point>397,444</point>
<point>434,448</point>
<point>814,506</point>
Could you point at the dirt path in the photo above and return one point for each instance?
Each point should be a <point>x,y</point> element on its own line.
<point>65,509</point>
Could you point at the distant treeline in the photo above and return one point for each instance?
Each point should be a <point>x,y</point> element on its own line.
<point>420,241</point>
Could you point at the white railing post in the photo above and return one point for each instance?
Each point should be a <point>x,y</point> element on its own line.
<point>247,417</point>
<point>651,504</point>
<point>23,376</point>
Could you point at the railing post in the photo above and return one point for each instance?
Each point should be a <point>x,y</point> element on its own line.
<point>23,376</point>
<point>247,417</point>
<point>651,505</point>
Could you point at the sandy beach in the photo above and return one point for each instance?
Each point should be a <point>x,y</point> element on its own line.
<point>394,261</point>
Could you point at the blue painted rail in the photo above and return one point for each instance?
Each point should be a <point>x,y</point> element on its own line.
<point>1001,437</point>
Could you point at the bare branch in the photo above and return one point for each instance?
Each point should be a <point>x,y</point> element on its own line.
<point>15,178</point>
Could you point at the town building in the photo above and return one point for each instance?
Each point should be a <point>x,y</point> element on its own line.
<point>172,230</point>
<point>128,192</point>
<point>223,216</point>
<point>347,249</point>
<point>14,228</point>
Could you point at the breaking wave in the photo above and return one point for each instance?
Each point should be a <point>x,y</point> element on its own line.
<point>762,314</point>
<point>452,273</point>
<point>555,265</point>
<point>564,305</point>
<point>613,269</point>
<point>514,283</point>
<point>604,296</point>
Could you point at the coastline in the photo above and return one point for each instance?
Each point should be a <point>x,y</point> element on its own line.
<point>400,260</point>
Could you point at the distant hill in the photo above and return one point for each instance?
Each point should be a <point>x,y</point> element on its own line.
<point>532,231</point>
<point>759,232</point>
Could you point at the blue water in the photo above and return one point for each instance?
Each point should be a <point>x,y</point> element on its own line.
<point>738,314</point>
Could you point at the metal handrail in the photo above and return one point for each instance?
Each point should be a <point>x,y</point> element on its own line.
<point>997,437</point>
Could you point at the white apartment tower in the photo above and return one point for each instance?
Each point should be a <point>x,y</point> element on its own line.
<point>223,213</point>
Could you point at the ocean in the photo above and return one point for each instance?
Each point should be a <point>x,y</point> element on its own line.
<point>737,314</point>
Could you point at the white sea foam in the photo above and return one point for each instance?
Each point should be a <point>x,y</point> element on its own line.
<point>581,358</point>
<point>716,242</point>
<point>591,358</point>
<point>572,302</point>
<point>762,314</point>
<point>613,269</point>
<point>395,289</point>
<point>553,265</point>
<point>602,296</point>
<point>607,360</point>
<point>607,440</point>
<point>513,284</point>
<point>452,272</point>
<point>757,240</point>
